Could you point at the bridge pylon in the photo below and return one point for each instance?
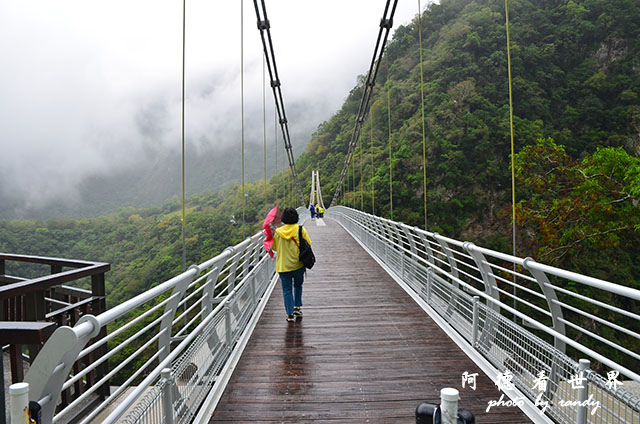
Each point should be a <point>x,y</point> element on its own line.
<point>315,198</point>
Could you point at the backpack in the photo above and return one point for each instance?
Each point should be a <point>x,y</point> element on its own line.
<point>306,254</point>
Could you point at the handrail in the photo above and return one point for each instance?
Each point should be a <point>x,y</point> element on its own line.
<point>204,309</point>
<point>84,269</point>
<point>491,324</point>
<point>73,263</point>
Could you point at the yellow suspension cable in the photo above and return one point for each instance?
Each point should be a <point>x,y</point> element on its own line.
<point>349,189</point>
<point>353,185</point>
<point>293,196</point>
<point>287,180</point>
<point>361,176</point>
<point>184,247</point>
<point>389,119</point>
<point>242,108</point>
<point>424,139</point>
<point>264,129</point>
<point>275,131</point>
<point>513,173</point>
<point>373,195</point>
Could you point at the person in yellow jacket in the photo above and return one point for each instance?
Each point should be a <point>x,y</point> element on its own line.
<point>288,265</point>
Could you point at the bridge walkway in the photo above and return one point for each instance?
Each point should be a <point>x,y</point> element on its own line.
<point>363,352</point>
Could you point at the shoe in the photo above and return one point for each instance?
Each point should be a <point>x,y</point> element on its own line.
<point>290,318</point>
<point>297,311</point>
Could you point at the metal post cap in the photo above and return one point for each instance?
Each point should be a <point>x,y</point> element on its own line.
<point>449,394</point>
<point>19,388</point>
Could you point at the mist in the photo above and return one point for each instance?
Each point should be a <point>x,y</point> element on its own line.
<point>95,88</point>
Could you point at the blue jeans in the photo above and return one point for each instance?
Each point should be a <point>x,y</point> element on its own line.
<point>292,288</point>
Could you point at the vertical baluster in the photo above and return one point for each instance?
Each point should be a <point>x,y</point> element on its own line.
<point>476,321</point>
<point>583,391</point>
<point>167,396</point>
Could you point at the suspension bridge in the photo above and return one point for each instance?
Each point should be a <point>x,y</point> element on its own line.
<point>392,315</point>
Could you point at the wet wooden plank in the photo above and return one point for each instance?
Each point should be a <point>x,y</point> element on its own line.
<point>364,351</point>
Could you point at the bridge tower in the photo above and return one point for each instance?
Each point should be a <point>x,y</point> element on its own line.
<point>315,198</point>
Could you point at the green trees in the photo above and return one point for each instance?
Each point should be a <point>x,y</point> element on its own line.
<point>581,213</point>
<point>576,80</point>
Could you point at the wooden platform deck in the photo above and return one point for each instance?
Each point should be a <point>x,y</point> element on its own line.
<point>364,352</point>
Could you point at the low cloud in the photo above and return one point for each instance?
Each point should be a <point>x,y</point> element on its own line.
<point>90,88</point>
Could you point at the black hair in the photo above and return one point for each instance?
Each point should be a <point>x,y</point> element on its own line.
<point>290,216</point>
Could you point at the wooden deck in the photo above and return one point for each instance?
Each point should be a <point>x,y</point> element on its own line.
<point>364,352</point>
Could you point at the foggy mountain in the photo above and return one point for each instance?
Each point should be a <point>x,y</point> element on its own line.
<point>156,177</point>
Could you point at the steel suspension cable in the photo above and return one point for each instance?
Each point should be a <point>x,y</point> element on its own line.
<point>184,245</point>
<point>389,124</point>
<point>424,138</point>
<point>267,43</point>
<point>386,23</point>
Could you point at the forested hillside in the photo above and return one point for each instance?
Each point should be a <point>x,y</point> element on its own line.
<point>576,81</point>
<point>143,246</point>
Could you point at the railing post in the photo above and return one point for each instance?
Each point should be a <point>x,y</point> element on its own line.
<point>491,288</point>
<point>209,291</point>
<point>231,281</point>
<point>98,306</point>
<point>34,311</point>
<point>248,257</point>
<point>400,248</point>
<point>414,252</point>
<point>385,245</point>
<point>3,401</point>
<point>373,233</point>
<point>583,391</point>
<point>476,321</point>
<point>379,236</point>
<point>51,367</point>
<point>227,324</point>
<point>449,405</point>
<point>167,396</point>
<point>429,282</point>
<point>427,247</point>
<point>19,395</point>
<point>447,251</point>
<point>254,299</point>
<point>490,284</point>
<point>171,309</point>
<point>552,299</point>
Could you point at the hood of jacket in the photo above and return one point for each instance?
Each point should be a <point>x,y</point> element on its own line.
<point>287,231</point>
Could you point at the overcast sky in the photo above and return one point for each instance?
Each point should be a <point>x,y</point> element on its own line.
<point>90,85</point>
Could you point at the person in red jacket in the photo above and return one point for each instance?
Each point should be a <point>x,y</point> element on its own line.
<point>288,265</point>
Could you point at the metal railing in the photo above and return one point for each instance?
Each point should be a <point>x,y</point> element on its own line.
<point>72,289</point>
<point>189,324</point>
<point>523,322</point>
<point>171,349</point>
